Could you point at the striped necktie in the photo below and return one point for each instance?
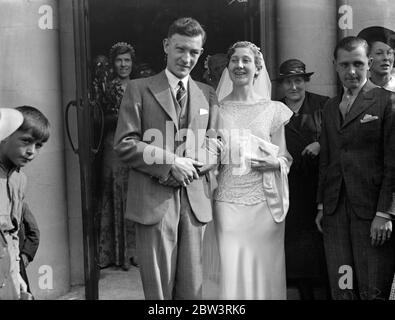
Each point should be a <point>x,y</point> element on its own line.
<point>345,104</point>
<point>181,95</point>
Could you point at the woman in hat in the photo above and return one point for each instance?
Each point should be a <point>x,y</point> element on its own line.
<point>381,54</point>
<point>305,258</point>
<point>116,234</point>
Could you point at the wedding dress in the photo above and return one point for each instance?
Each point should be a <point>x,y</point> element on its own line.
<point>248,215</point>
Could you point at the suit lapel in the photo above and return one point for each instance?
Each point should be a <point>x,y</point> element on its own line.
<point>363,101</point>
<point>162,92</point>
<point>335,111</point>
<point>197,101</point>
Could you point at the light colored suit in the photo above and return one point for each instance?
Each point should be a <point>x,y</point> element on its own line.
<point>148,112</point>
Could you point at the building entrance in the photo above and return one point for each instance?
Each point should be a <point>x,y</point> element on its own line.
<point>144,25</point>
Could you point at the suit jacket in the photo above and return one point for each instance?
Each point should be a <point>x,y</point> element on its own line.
<point>29,234</point>
<point>145,140</point>
<point>359,151</point>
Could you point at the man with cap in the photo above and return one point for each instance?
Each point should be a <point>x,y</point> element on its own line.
<point>304,251</point>
<point>381,54</point>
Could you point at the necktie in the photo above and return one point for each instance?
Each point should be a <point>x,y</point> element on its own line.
<point>181,95</point>
<point>345,104</point>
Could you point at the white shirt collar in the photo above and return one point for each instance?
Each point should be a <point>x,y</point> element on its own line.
<point>173,81</point>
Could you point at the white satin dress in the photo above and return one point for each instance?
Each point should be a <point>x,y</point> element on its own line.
<point>250,237</point>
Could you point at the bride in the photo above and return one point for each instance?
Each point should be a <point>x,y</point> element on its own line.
<point>251,200</point>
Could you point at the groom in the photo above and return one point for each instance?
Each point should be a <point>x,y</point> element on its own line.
<point>161,121</point>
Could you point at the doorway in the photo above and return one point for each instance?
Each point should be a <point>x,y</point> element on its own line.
<point>144,24</point>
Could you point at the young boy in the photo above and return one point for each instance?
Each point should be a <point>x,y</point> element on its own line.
<point>16,151</point>
<point>10,120</point>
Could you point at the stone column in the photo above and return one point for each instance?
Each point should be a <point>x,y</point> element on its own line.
<point>67,59</point>
<point>307,30</point>
<point>30,75</point>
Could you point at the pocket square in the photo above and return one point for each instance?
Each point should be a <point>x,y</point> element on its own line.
<point>368,118</point>
<point>203,111</point>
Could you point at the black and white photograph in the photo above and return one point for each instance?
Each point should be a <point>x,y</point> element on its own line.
<point>210,151</point>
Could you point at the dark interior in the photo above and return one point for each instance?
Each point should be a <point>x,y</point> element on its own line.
<point>144,24</point>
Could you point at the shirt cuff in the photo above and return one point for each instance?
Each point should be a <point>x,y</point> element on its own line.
<point>320,206</point>
<point>383,215</point>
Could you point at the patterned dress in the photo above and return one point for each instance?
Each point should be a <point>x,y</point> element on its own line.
<point>116,234</point>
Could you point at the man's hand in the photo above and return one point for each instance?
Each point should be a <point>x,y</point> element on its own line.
<point>318,219</point>
<point>380,230</point>
<point>184,171</point>
<point>312,150</point>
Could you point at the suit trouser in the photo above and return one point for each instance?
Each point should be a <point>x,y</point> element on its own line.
<point>348,249</point>
<point>170,253</point>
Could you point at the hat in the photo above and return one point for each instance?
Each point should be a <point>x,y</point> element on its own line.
<point>373,34</point>
<point>10,120</point>
<point>292,67</point>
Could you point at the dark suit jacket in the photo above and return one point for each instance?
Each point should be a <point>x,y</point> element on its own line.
<point>360,153</point>
<point>29,234</point>
<point>147,124</point>
<point>29,239</point>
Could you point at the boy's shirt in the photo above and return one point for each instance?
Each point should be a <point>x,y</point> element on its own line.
<point>12,194</point>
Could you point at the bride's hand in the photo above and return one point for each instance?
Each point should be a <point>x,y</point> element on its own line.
<point>267,163</point>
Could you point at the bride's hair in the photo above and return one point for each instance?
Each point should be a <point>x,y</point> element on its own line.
<point>258,58</point>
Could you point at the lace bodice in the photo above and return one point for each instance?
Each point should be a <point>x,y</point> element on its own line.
<point>236,183</point>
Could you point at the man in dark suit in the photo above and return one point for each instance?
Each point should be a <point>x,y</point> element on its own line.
<point>357,164</point>
<point>162,121</point>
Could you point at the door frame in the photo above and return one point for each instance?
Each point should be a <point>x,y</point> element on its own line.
<point>85,149</point>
